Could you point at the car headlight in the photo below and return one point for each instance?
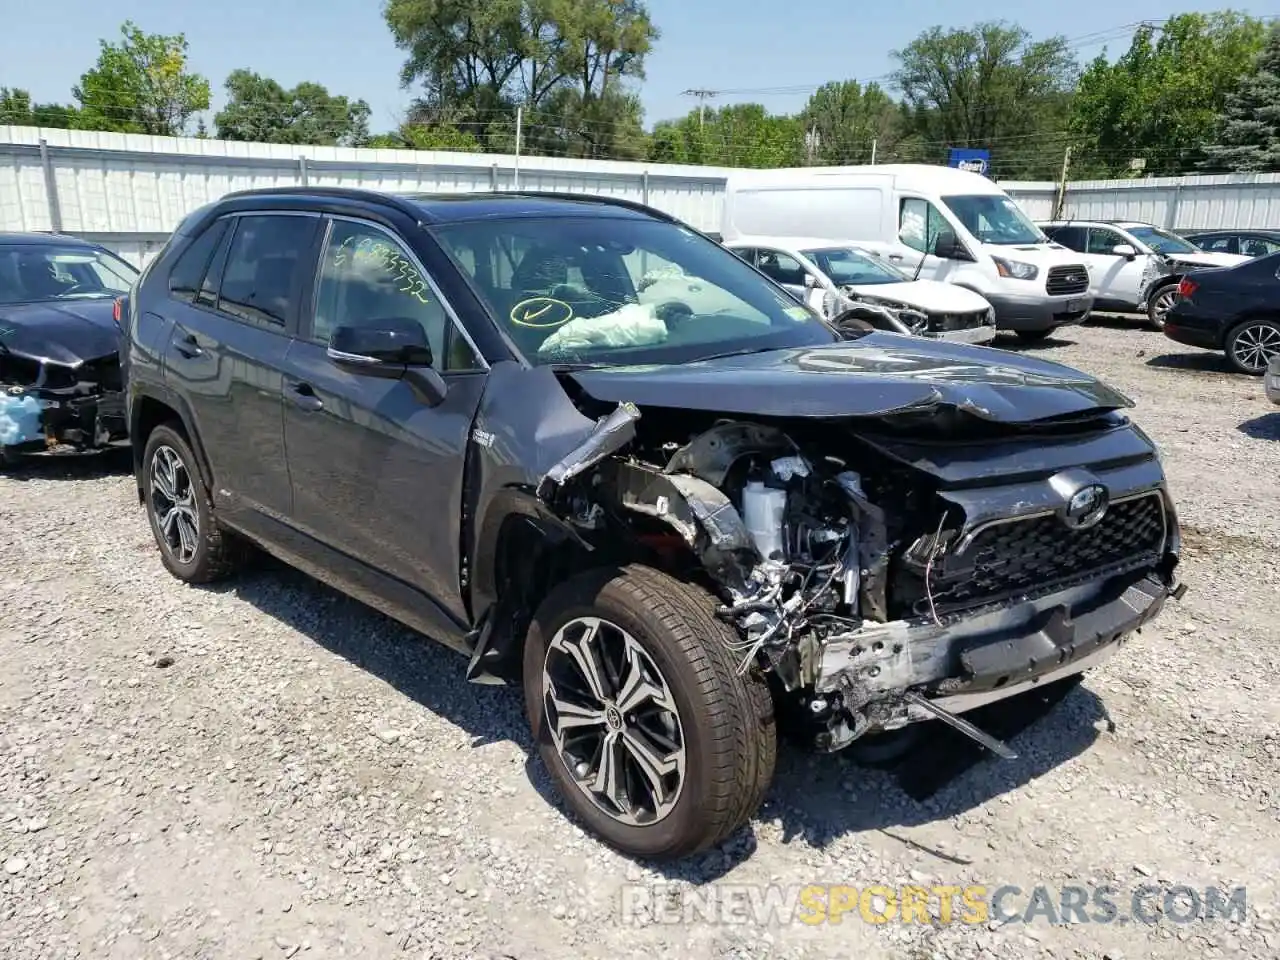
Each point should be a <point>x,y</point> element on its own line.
<point>1016,269</point>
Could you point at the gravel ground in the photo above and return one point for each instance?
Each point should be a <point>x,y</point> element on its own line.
<point>269,769</point>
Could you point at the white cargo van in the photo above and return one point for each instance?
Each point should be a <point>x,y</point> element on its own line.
<point>947,224</point>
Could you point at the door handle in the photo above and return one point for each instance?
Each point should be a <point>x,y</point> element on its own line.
<point>188,346</point>
<point>896,256</point>
<point>303,396</point>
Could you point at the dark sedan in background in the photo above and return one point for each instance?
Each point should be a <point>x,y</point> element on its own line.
<point>1249,243</point>
<point>1233,309</point>
<point>60,382</point>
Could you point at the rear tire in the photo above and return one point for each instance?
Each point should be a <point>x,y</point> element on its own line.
<point>1251,345</point>
<point>705,733</point>
<point>192,546</point>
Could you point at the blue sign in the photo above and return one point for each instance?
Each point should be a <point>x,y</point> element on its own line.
<point>975,161</point>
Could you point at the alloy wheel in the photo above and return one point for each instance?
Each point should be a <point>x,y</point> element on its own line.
<point>1162,304</point>
<point>614,721</point>
<point>1255,346</point>
<point>173,504</point>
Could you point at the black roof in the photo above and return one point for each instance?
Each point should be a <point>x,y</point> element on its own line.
<point>1241,232</point>
<point>458,207</point>
<point>50,239</point>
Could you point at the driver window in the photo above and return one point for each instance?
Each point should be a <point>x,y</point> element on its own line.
<point>919,223</point>
<point>367,276</point>
<point>1103,241</point>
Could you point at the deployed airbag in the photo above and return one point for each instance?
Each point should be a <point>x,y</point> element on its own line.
<point>631,325</point>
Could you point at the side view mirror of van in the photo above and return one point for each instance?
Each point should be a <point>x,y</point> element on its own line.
<point>948,247</point>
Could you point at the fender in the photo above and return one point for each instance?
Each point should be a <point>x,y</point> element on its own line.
<point>160,393</point>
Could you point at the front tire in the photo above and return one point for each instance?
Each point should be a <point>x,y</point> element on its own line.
<point>192,546</point>
<point>1251,345</point>
<point>651,735</point>
<point>1160,303</point>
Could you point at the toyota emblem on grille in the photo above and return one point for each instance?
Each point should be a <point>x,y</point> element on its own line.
<point>1087,507</point>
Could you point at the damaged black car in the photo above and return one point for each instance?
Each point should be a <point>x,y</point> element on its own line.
<point>60,383</point>
<point>608,461</point>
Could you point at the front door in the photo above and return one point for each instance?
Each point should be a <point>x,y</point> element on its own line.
<point>235,311</point>
<point>377,474</point>
<point>1114,280</point>
<point>919,223</point>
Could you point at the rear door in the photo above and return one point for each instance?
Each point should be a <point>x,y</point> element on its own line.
<point>226,353</point>
<point>377,474</point>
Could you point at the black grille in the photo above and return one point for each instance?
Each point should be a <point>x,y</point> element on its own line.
<point>1067,280</point>
<point>942,322</point>
<point>1035,555</point>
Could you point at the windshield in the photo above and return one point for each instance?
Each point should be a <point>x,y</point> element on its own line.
<point>848,267</point>
<point>994,219</point>
<point>38,271</point>
<point>1161,241</point>
<point>618,290</point>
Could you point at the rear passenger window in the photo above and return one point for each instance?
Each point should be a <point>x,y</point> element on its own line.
<point>262,267</point>
<point>185,277</point>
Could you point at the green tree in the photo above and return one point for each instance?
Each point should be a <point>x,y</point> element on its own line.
<point>842,119</point>
<point>1249,139</point>
<point>1161,101</point>
<point>141,85</point>
<point>568,63</point>
<point>261,110</point>
<point>412,136</point>
<point>17,108</point>
<point>989,86</point>
<point>740,135</point>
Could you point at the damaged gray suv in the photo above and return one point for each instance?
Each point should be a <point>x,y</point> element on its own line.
<point>606,459</point>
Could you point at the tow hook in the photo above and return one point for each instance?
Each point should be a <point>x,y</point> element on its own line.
<point>998,747</point>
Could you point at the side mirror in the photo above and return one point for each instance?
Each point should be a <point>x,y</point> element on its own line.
<point>947,246</point>
<point>1125,250</point>
<point>810,282</point>
<point>393,349</point>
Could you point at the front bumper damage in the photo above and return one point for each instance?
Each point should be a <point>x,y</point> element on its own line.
<point>861,677</point>
<point>46,406</point>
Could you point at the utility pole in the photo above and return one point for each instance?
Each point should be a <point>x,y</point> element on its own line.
<point>519,133</point>
<point>873,150</point>
<point>1060,202</point>
<point>703,96</point>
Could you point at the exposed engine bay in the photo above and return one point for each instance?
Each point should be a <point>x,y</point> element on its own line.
<point>867,575</point>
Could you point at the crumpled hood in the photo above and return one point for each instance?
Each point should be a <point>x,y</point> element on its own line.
<point>878,374</point>
<point>67,332</point>
<point>931,296</point>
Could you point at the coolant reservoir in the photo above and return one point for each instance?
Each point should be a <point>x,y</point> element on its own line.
<point>762,511</point>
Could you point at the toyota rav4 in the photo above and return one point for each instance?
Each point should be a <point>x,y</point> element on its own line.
<point>606,459</point>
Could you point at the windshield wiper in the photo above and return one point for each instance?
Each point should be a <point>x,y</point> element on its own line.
<point>738,353</point>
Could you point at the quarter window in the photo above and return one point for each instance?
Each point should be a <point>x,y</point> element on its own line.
<point>367,276</point>
<point>262,268</point>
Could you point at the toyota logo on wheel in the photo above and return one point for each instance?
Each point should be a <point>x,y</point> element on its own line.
<point>1087,507</point>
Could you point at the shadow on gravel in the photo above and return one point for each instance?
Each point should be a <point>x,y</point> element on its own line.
<point>113,462</point>
<point>1203,361</point>
<point>1051,342</point>
<point>1119,321</point>
<point>1265,427</point>
<point>815,798</point>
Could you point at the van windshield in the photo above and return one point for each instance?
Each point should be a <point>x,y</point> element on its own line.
<point>994,219</point>
<point>623,290</point>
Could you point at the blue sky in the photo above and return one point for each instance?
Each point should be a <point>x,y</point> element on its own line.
<point>715,44</point>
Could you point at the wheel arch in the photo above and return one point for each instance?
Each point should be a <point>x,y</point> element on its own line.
<point>151,408</point>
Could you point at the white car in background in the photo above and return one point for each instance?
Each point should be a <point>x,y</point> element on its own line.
<point>833,275</point>
<point>1134,267</point>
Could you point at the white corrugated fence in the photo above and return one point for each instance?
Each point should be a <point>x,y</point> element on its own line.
<point>128,191</point>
